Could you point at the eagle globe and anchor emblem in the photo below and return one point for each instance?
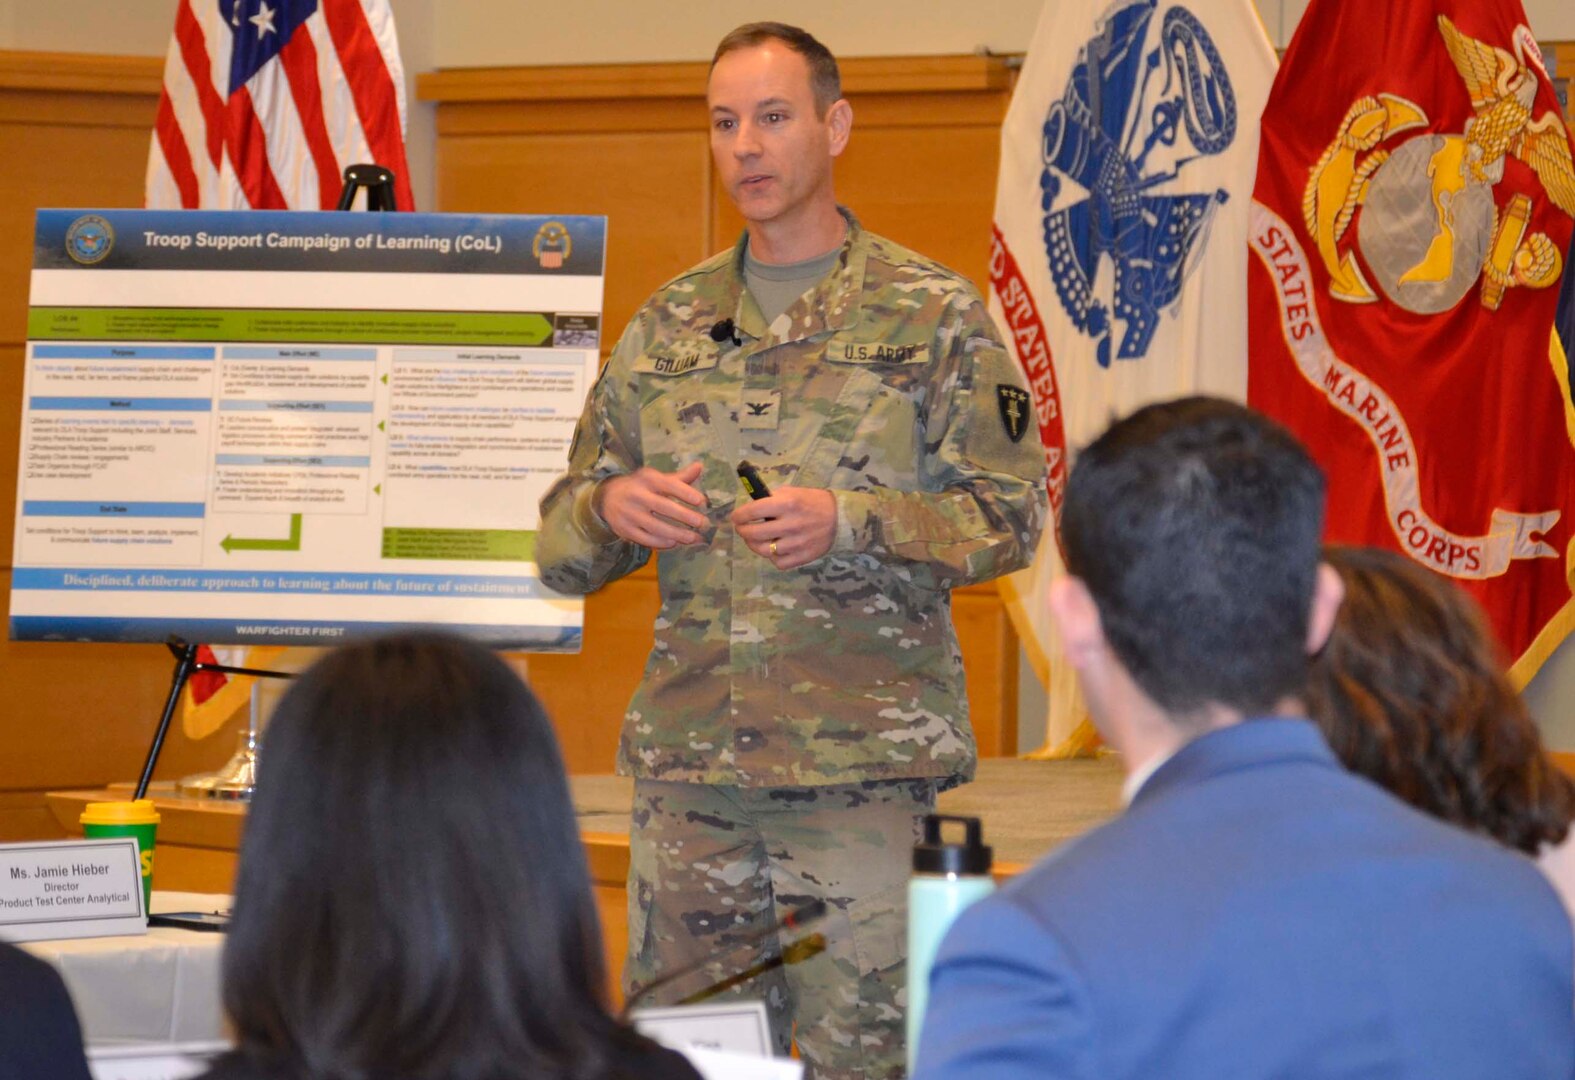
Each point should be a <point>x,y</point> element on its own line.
<point>1115,136</point>
<point>1430,227</point>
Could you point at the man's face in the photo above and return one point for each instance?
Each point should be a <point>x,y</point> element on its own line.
<point>772,151</point>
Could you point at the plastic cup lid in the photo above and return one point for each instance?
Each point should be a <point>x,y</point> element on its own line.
<point>127,812</point>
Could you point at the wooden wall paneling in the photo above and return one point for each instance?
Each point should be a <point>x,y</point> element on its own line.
<point>79,714</point>
<point>1563,68</point>
<point>24,816</point>
<point>931,189</point>
<point>651,185</point>
<point>587,693</point>
<point>990,661</point>
<point>75,131</point>
<point>75,714</point>
<point>607,856</point>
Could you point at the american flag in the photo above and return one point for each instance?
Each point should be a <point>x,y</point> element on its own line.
<point>266,101</point>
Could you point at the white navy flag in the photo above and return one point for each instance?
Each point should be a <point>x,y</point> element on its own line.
<point>1119,263</point>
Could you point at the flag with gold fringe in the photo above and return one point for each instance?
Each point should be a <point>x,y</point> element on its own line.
<point>1414,204</point>
<point>1118,266</point>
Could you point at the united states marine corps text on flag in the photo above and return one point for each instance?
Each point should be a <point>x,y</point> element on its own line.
<point>1410,226</point>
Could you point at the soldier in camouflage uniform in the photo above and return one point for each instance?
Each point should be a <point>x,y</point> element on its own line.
<point>804,699</point>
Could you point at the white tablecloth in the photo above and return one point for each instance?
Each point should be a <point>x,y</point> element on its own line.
<point>144,998</point>
<point>161,987</point>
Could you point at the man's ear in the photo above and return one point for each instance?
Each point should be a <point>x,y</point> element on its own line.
<point>1328,592</point>
<point>1077,619</point>
<point>839,121</point>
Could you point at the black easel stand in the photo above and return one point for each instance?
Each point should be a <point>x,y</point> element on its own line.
<point>186,663</point>
<point>379,184</point>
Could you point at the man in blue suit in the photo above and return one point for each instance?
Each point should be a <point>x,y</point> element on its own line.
<point>1257,911</point>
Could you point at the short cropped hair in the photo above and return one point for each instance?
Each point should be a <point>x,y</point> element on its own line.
<point>824,79</point>
<point>413,898</point>
<point>1195,525</point>
<point>1411,692</point>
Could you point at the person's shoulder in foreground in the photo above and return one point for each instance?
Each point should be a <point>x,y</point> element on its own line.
<point>1260,912</point>
<point>1257,911</point>
<point>39,1033</point>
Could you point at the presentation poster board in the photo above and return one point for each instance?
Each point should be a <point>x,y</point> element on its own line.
<point>294,428</point>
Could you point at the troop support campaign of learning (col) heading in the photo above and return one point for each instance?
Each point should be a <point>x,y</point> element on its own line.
<point>561,245</point>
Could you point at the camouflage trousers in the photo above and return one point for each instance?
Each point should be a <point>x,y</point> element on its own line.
<point>709,865</point>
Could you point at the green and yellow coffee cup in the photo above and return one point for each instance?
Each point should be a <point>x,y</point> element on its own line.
<point>139,819</point>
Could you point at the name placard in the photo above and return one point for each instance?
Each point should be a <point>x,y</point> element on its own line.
<point>720,1065</point>
<point>70,889</point>
<point>736,1027</point>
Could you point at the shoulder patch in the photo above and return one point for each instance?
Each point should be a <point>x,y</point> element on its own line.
<point>1014,403</point>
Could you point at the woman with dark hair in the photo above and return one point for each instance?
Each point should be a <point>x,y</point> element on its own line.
<point>412,900</point>
<point>1411,693</point>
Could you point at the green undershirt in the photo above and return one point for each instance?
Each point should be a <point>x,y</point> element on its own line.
<point>776,287</point>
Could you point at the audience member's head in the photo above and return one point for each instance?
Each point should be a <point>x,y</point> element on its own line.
<point>1410,691</point>
<point>412,899</point>
<point>1191,531</point>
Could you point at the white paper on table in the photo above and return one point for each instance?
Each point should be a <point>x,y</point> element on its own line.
<point>739,1027</point>
<point>721,1065</point>
<point>173,1061</point>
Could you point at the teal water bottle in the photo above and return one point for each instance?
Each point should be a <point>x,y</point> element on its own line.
<point>946,879</point>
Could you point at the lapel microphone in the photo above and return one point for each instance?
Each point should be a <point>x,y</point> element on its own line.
<point>724,331</point>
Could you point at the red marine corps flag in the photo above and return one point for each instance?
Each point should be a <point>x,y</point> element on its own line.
<point>1414,200</point>
<point>1119,259</point>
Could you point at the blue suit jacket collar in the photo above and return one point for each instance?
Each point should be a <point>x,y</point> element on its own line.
<point>1251,743</point>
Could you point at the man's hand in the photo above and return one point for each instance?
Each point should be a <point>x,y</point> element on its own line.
<point>793,527</point>
<point>653,508</point>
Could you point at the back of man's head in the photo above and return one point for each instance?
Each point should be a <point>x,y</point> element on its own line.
<point>1195,526</point>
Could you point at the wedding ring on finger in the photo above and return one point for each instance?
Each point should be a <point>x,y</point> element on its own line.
<point>773,547</point>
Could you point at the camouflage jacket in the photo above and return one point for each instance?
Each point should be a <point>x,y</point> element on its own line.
<point>887,385</point>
